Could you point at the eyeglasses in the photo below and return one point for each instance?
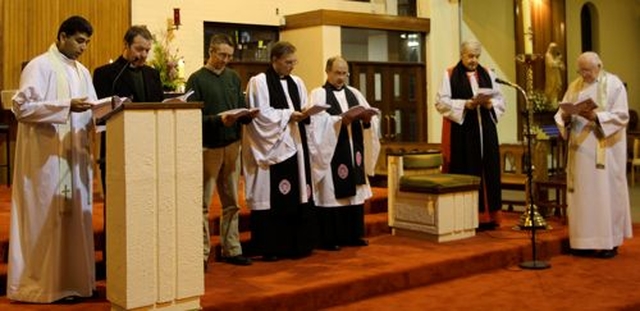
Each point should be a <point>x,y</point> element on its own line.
<point>342,73</point>
<point>223,56</point>
<point>291,62</point>
<point>583,71</point>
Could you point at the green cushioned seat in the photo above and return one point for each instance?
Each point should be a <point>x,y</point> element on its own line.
<point>422,161</point>
<point>439,183</point>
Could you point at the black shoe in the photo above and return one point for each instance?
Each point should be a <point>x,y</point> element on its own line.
<point>238,260</point>
<point>359,242</point>
<point>607,253</point>
<point>487,226</point>
<point>70,300</point>
<point>270,258</point>
<point>331,247</point>
<point>582,252</point>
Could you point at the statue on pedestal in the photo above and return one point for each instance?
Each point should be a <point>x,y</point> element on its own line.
<point>554,65</point>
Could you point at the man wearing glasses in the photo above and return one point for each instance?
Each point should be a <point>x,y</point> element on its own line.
<point>219,88</point>
<point>597,194</point>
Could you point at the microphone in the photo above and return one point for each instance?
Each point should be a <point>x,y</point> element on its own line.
<point>115,80</point>
<point>498,80</point>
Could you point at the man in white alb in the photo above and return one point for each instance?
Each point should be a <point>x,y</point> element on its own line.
<point>597,195</point>
<point>51,253</point>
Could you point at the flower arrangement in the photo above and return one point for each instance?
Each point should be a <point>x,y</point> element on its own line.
<point>166,61</point>
<point>540,102</point>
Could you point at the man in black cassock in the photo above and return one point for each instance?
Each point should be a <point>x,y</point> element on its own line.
<point>344,149</point>
<point>471,104</point>
<point>276,161</point>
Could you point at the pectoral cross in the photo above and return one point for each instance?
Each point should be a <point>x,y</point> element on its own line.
<point>66,191</point>
<point>66,204</point>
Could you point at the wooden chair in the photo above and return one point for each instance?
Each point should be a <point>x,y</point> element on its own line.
<point>635,161</point>
<point>550,184</point>
<point>513,174</point>
<point>6,119</point>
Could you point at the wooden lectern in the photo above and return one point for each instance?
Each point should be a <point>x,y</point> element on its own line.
<point>154,212</point>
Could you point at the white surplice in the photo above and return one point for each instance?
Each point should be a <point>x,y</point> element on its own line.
<point>322,139</point>
<point>598,199</point>
<point>51,252</point>
<point>270,139</point>
<point>454,109</point>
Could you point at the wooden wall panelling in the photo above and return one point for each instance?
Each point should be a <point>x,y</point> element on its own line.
<point>357,20</point>
<point>28,27</point>
<point>2,43</point>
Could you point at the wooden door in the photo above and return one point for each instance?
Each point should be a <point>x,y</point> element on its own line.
<point>399,91</point>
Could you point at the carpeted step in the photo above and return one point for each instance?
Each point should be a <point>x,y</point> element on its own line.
<point>375,225</point>
<point>389,264</point>
<point>376,205</point>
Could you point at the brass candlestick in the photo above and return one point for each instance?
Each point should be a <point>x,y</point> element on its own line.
<point>531,218</point>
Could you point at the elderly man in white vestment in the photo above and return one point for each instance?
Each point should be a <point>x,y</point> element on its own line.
<point>598,198</point>
<point>51,254</point>
<point>344,151</point>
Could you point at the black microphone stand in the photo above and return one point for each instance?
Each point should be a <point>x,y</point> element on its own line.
<point>532,212</point>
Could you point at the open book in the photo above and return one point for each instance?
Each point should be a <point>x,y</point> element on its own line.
<point>179,99</point>
<point>311,109</point>
<point>486,93</point>
<point>104,107</point>
<point>576,108</point>
<point>357,112</point>
<point>239,113</point>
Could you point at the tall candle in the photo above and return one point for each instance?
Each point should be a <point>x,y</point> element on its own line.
<point>526,27</point>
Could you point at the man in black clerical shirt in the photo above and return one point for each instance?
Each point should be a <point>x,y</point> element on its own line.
<point>128,76</point>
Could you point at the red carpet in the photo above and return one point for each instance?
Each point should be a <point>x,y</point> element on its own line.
<point>396,273</point>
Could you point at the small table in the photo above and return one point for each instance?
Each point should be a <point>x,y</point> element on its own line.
<point>557,184</point>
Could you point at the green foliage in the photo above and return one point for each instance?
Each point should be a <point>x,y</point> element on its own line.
<point>540,102</point>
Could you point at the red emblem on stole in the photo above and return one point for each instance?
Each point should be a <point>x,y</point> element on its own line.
<point>284,186</point>
<point>343,171</point>
<point>358,158</point>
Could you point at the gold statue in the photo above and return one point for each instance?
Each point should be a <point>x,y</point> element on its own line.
<point>554,65</point>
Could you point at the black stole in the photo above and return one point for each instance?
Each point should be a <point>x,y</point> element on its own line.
<point>347,172</point>
<point>465,139</point>
<point>284,176</point>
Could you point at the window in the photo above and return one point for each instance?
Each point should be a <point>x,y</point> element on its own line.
<point>382,45</point>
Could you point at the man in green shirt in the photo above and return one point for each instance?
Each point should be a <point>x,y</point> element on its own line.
<point>220,89</point>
